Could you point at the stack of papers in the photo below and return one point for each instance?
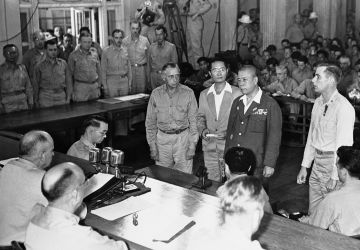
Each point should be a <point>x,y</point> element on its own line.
<point>124,98</point>
<point>97,181</point>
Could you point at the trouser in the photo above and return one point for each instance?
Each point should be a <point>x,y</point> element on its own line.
<point>138,79</point>
<point>148,32</point>
<point>117,85</point>
<point>49,98</point>
<point>244,52</point>
<point>213,152</point>
<point>14,102</point>
<point>156,80</point>
<point>172,150</point>
<point>321,172</point>
<point>194,39</point>
<point>85,91</point>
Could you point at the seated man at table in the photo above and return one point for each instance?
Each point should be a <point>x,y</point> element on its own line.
<point>339,211</point>
<point>57,225</point>
<point>241,211</point>
<point>20,185</point>
<point>241,162</point>
<point>95,129</point>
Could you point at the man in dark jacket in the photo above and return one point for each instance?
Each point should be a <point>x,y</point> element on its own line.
<point>255,122</point>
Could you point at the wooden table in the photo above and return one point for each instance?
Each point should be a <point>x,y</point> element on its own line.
<point>70,116</point>
<point>174,194</point>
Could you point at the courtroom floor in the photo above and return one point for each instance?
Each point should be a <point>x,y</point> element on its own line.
<point>283,191</point>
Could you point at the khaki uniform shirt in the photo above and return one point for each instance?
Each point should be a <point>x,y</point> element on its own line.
<point>175,112</point>
<point>13,82</point>
<point>300,75</point>
<point>286,87</point>
<point>137,49</point>
<point>31,58</point>
<point>83,66</point>
<point>160,55</point>
<point>50,75</point>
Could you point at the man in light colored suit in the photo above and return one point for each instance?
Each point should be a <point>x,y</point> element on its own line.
<point>213,114</point>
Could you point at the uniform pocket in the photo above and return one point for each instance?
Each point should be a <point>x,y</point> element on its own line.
<point>257,123</point>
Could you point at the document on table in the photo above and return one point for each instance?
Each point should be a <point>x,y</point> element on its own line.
<point>131,97</point>
<point>97,181</point>
<point>125,207</point>
<point>123,98</point>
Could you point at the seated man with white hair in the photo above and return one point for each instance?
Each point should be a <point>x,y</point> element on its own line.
<point>241,210</point>
<point>57,226</point>
<point>20,185</point>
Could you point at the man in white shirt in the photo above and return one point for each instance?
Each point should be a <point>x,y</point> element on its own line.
<point>213,115</point>
<point>20,185</point>
<point>57,226</point>
<point>332,125</point>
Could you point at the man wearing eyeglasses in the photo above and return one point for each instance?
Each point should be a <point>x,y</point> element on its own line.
<point>212,119</point>
<point>95,129</point>
<point>331,126</point>
<point>171,130</point>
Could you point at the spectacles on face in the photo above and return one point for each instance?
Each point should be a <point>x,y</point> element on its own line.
<point>173,77</point>
<point>102,133</point>
<point>215,70</point>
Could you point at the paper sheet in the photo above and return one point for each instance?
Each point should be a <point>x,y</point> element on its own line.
<point>97,181</point>
<point>131,97</point>
<point>125,207</point>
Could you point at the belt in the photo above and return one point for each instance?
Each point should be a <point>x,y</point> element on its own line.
<point>320,152</point>
<point>87,82</point>
<point>18,92</point>
<point>53,90</point>
<point>173,132</point>
<point>138,64</point>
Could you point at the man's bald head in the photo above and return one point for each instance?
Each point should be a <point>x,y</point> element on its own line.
<point>34,142</point>
<point>60,180</point>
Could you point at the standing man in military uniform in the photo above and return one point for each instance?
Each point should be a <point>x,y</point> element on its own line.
<point>16,92</point>
<point>51,80</point>
<point>151,15</point>
<point>244,37</point>
<point>255,123</point>
<point>115,67</point>
<point>171,122</point>
<point>194,10</point>
<point>35,55</point>
<point>84,70</point>
<point>138,47</point>
<point>160,53</point>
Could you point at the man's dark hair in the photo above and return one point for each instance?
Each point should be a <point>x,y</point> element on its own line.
<point>272,61</point>
<point>295,55</point>
<point>84,35</point>
<point>50,42</point>
<point>349,158</point>
<point>93,121</point>
<point>303,59</point>
<point>332,70</point>
<point>240,160</point>
<point>218,59</point>
<point>161,27</point>
<point>82,29</point>
<point>117,31</point>
<point>58,189</point>
<point>202,59</point>
<point>29,142</point>
<point>8,46</point>
<point>271,48</point>
<point>68,36</point>
<point>285,41</point>
<point>323,52</point>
